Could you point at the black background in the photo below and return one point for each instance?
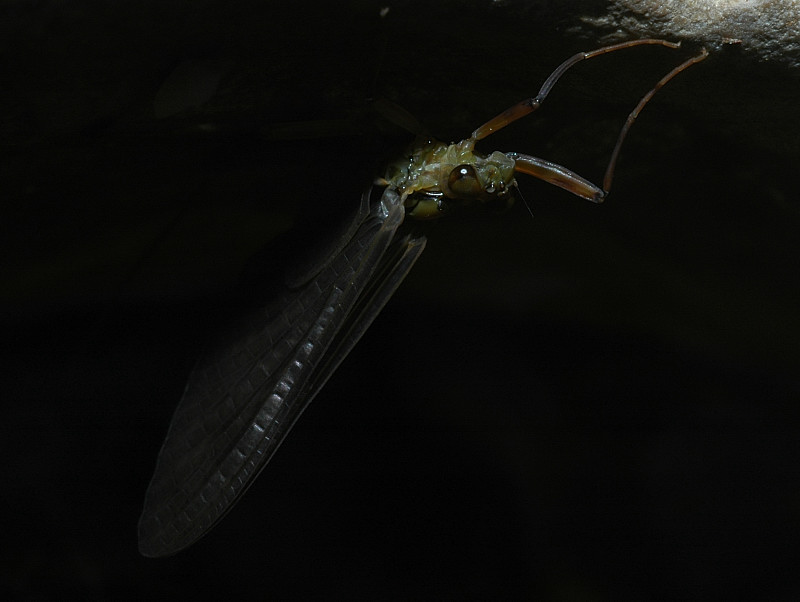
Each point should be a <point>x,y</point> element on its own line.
<point>596,403</point>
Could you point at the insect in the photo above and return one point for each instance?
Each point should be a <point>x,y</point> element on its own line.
<point>247,391</point>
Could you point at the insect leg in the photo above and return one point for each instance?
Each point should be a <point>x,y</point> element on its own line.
<point>561,176</point>
<point>529,105</point>
<point>635,113</point>
<point>557,175</point>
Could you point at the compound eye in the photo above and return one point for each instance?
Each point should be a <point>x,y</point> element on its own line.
<point>463,182</point>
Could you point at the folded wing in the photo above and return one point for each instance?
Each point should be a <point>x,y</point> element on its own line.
<point>247,391</point>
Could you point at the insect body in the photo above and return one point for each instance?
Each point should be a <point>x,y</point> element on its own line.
<point>248,389</point>
<point>437,175</point>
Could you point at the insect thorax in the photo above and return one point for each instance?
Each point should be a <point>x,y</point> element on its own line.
<point>434,177</point>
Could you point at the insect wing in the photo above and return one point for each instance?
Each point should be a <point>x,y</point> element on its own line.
<point>397,262</point>
<point>246,392</point>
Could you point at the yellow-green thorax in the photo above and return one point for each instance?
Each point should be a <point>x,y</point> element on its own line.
<point>433,176</point>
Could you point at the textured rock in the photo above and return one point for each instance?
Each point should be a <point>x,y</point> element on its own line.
<point>770,29</point>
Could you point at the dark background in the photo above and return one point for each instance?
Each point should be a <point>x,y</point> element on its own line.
<point>597,403</point>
